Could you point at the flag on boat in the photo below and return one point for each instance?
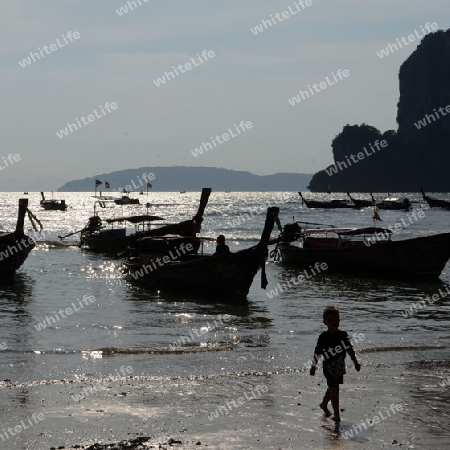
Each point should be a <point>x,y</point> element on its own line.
<point>376,214</point>
<point>97,183</point>
<point>149,185</point>
<point>107,186</point>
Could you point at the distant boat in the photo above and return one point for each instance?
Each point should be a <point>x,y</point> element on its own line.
<point>392,203</point>
<point>53,205</point>
<point>16,246</point>
<point>360,203</point>
<point>435,202</point>
<point>25,193</point>
<point>182,192</point>
<point>125,200</point>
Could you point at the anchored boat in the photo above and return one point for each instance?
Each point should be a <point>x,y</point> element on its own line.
<point>435,202</point>
<point>369,251</point>
<point>183,269</point>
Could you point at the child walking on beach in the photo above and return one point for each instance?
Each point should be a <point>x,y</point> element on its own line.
<point>333,345</point>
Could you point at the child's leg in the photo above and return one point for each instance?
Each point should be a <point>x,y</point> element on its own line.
<point>334,397</point>
<point>324,404</point>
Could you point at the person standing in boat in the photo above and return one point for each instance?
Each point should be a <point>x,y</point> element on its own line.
<point>333,345</point>
<point>221,247</point>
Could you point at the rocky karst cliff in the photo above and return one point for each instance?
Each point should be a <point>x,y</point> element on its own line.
<point>416,155</point>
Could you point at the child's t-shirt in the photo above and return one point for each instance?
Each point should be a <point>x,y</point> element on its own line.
<point>333,348</point>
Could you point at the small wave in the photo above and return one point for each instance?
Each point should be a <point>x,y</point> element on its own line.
<point>395,348</point>
<point>210,347</point>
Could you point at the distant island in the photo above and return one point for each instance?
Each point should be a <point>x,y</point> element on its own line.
<point>417,154</point>
<point>186,178</point>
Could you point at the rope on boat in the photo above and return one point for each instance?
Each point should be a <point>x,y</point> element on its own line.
<point>34,220</point>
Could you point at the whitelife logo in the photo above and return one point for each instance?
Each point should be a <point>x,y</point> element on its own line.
<point>183,68</point>
<point>316,88</point>
<point>52,47</point>
<point>90,118</point>
<point>269,23</point>
<point>391,48</point>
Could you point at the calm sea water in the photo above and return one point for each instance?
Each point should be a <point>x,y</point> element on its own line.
<point>129,326</point>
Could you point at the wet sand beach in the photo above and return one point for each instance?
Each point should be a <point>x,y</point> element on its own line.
<point>229,410</point>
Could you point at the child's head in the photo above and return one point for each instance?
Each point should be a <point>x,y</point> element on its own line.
<point>331,317</point>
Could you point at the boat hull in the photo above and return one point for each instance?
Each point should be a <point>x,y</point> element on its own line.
<point>106,245</point>
<point>13,253</point>
<point>423,256</point>
<point>50,206</point>
<point>205,275</point>
<point>436,203</point>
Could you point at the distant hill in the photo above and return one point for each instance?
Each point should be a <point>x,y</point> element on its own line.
<point>417,154</point>
<point>190,179</point>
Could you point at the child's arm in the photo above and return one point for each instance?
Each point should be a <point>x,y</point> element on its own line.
<point>312,371</point>
<point>352,355</point>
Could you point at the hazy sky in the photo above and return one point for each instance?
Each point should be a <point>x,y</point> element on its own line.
<point>116,58</point>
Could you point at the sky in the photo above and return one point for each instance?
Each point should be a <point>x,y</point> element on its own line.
<point>117,58</point>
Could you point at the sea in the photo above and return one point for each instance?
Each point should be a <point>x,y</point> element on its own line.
<point>215,372</point>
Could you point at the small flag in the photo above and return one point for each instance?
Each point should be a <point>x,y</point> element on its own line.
<point>107,185</point>
<point>149,185</point>
<point>376,215</point>
<point>97,183</point>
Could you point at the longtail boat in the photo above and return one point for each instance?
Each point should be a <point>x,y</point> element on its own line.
<point>126,200</point>
<point>53,205</point>
<point>16,246</point>
<point>392,203</point>
<point>369,251</point>
<point>360,203</point>
<point>435,202</point>
<point>218,275</point>
<point>96,237</point>
<point>328,204</point>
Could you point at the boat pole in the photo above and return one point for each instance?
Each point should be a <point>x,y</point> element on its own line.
<point>23,204</point>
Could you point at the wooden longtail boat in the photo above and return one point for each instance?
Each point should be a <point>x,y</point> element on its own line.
<point>100,239</point>
<point>360,203</point>
<point>329,204</point>
<point>369,251</point>
<point>126,200</point>
<point>435,202</point>
<point>392,203</point>
<point>226,274</point>
<point>96,238</point>
<point>16,246</point>
<point>53,205</point>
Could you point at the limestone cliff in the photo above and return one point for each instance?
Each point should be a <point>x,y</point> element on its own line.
<point>416,155</point>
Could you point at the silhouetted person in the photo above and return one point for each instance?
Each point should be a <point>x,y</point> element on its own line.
<point>221,247</point>
<point>333,345</point>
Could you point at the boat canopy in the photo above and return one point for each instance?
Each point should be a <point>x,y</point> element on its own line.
<point>349,231</point>
<point>135,219</point>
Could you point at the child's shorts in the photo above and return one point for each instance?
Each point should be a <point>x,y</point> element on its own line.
<point>333,381</point>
